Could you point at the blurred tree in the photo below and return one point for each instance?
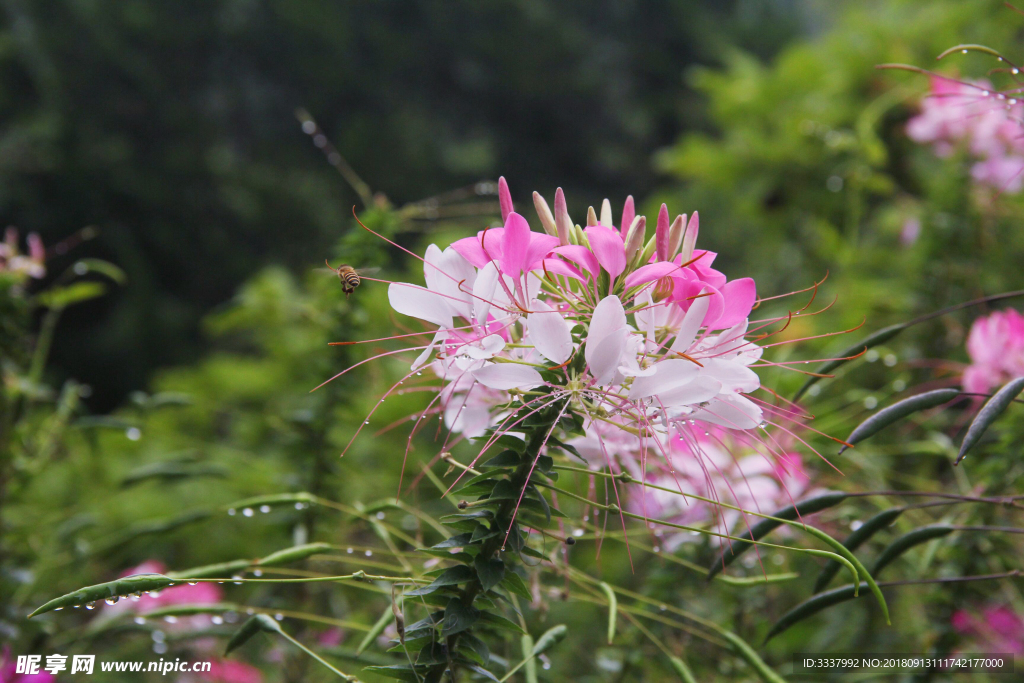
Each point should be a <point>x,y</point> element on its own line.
<point>170,127</point>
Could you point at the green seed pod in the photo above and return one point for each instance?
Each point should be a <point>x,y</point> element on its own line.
<point>294,554</point>
<point>551,637</point>
<point>814,605</point>
<point>880,337</point>
<point>139,583</point>
<point>992,409</point>
<point>680,667</point>
<point>740,646</point>
<point>766,526</point>
<point>908,541</point>
<point>855,540</point>
<point>897,411</point>
<point>252,626</point>
<point>613,609</point>
<point>529,662</point>
<point>275,499</point>
<point>211,571</point>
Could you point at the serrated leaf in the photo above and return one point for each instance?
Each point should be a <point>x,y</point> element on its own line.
<point>897,411</point>
<point>992,409</point>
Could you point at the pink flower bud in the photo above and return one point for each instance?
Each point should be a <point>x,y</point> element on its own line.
<point>547,219</point>
<point>690,238</point>
<point>635,236</point>
<point>606,213</point>
<point>504,198</point>
<point>628,214</point>
<point>563,223</point>
<point>591,217</point>
<point>675,236</point>
<point>661,234</point>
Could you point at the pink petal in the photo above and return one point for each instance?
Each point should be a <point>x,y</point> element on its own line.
<point>650,273</point>
<point>504,199</point>
<point>505,376</point>
<point>740,296</point>
<point>549,332</point>
<point>559,267</point>
<point>581,256</point>
<point>540,246</point>
<point>515,244</point>
<point>609,249</point>
<point>420,302</point>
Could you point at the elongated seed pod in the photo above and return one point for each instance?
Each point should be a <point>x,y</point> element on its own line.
<point>747,653</point>
<point>529,662</point>
<point>908,541</point>
<point>549,638</point>
<point>992,409</point>
<point>386,618</point>
<point>139,583</point>
<point>613,609</point>
<point>883,335</point>
<point>252,626</point>
<point>294,554</point>
<point>680,667</point>
<point>897,411</point>
<point>766,526</point>
<point>211,571</point>
<point>813,605</point>
<point>855,540</point>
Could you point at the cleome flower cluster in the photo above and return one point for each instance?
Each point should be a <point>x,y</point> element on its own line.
<point>639,336</point>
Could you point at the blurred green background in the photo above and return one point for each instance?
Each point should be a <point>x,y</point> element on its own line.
<point>170,128</point>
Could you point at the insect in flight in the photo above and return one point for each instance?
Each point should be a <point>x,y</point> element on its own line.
<point>349,276</point>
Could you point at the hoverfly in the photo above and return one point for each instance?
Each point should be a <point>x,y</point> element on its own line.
<point>349,276</point>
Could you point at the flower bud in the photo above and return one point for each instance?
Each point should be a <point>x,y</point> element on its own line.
<point>690,238</point>
<point>661,234</point>
<point>563,223</point>
<point>591,217</point>
<point>628,214</point>
<point>635,237</point>
<point>504,198</point>
<point>547,219</point>
<point>606,213</point>
<point>675,236</point>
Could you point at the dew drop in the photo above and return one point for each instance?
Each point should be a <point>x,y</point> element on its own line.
<point>380,515</point>
<point>349,551</point>
<point>160,648</point>
<point>985,93</point>
<point>763,425</point>
<point>577,532</point>
<point>264,509</point>
<point>1015,71</point>
<point>279,616</point>
<point>217,619</point>
<point>656,549</point>
<point>369,553</point>
<point>154,594</point>
<point>136,596</point>
<point>232,512</point>
<point>250,610</point>
<point>113,600</point>
<point>300,506</point>
<point>502,548</point>
<point>90,605</point>
<point>236,577</point>
<point>247,512</point>
<point>170,619</point>
<point>963,51</point>
<point>139,620</point>
<point>418,374</point>
<point>663,607</point>
<point>257,572</point>
<point>366,422</point>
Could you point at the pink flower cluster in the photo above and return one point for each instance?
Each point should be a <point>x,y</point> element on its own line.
<point>997,629</point>
<point>9,671</point>
<point>996,347</point>
<point>640,334</point>
<point>13,261</point>
<point>986,121</point>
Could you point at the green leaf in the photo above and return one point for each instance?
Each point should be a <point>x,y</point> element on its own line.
<point>489,572</point>
<point>864,532</point>
<point>458,617</point>
<point>992,409</point>
<point>456,541</point>
<point>512,443</point>
<point>766,526</point>
<point>378,627</point>
<point>62,297</point>
<point>468,643</point>
<point>255,624</point>
<point>498,621</point>
<point>450,577</point>
<point>897,411</point>
<point>94,265</point>
<point>172,470</point>
<point>507,458</point>
<point>908,541</point>
<point>401,672</point>
<point>515,584</point>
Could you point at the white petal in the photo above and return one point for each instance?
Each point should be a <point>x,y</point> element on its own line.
<point>734,375</point>
<point>486,348</point>
<point>451,275</point>
<point>507,376</point>
<point>422,358</point>
<point>549,332</point>
<point>420,302</point>
<point>691,324</point>
<point>605,358</point>
<point>699,390</point>
<point>483,291</point>
<point>668,374</point>
<point>608,317</point>
<point>732,411</point>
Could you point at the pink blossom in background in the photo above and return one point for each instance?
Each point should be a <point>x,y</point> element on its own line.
<point>199,594</point>
<point>985,121</point>
<point>996,347</point>
<point>997,629</point>
<point>231,671</point>
<point>9,667</point>
<point>32,265</point>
